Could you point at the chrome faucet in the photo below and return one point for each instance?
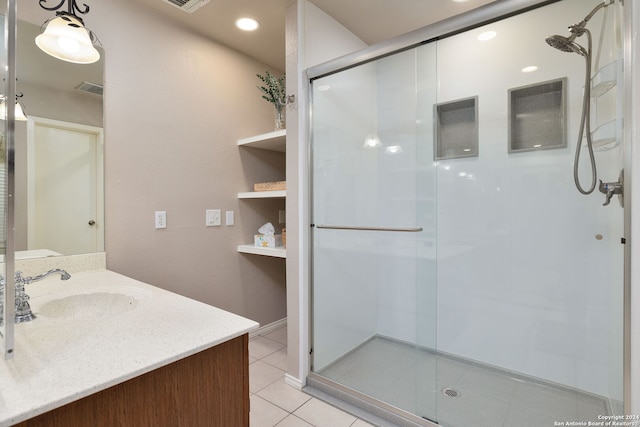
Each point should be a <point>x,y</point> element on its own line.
<point>23,309</point>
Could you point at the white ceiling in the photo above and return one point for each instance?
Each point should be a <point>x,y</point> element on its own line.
<point>371,20</point>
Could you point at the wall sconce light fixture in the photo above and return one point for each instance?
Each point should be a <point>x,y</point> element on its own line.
<point>65,36</point>
<point>19,111</point>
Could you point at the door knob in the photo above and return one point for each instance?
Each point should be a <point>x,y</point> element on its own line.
<point>92,222</point>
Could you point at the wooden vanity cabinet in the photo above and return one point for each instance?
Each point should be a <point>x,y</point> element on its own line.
<point>210,388</point>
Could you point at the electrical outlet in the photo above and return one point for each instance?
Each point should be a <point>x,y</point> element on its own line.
<point>213,218</point>
<point>229,218</point>
<point>161,219</point>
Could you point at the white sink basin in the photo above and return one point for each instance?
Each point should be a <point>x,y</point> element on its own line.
<point>99,303</point>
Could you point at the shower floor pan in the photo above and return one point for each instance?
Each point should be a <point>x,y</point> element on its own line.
<point>453,391</point>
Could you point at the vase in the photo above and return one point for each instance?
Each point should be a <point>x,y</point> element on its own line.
<point>280,120</point>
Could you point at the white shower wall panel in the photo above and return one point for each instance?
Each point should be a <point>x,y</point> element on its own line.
<point>532,292</point>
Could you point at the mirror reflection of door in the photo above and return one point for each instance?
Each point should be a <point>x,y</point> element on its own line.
<point>65,200</point>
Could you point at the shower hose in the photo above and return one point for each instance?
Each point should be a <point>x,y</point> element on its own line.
<point>585,122</point>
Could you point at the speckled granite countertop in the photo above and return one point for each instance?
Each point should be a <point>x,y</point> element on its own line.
<point>99,329</point>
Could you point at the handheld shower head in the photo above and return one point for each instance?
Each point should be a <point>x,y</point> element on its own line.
<point>561,42</point>
<point>565,44</point>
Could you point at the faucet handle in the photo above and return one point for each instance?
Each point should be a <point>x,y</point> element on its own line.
<point>609,189</point>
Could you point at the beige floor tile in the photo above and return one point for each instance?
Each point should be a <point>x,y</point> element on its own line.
<point>279,335</point>
<point>320,414</point>
<point>277,359</point>
<point>273,401</point>
<point>265,414</point>
<point>261,347</point>
<point>283,395</point>
<point>293,421</point>
<point>262,374</point>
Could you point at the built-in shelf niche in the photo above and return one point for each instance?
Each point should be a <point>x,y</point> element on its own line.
<point>456,129</point>
<point>537,116</point>
<point>271,141</point>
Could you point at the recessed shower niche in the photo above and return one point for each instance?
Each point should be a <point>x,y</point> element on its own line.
<point>456,129</point>
<point>537,116</point>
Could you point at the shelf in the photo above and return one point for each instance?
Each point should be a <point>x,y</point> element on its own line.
<point>537,116</point>
<point>274,141</point>
<point>604,79</point>
<point>456,129</point>
<point>604,136</point>
<point>275,194</point>
<point>279,252</point>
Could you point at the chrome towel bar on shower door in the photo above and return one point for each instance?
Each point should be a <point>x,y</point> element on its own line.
<point>353,227</point>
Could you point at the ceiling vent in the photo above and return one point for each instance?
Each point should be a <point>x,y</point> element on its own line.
<point>188,6</point>
<point>94,88</point>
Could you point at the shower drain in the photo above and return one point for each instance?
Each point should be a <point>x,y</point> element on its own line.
<point>450,392</point>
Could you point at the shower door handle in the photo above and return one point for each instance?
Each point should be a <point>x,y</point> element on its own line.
<point>364,228</point>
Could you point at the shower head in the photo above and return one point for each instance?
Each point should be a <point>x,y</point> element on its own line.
<point>562,43</point>
<point>565,44</point>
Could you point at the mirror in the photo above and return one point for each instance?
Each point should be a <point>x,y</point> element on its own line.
<point>59,153</point>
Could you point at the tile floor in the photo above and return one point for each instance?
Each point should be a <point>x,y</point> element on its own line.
<point>275,403</point>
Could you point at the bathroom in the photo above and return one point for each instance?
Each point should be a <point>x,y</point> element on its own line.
<point>192,133</point>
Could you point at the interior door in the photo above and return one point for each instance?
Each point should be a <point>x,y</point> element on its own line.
<point>65,202</point>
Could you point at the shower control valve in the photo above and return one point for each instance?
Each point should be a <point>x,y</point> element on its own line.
<point>609,189</point>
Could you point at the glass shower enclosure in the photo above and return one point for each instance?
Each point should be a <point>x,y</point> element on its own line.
<point>458,276</point>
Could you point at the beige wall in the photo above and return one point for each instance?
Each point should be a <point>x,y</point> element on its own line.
<point>175,105</point>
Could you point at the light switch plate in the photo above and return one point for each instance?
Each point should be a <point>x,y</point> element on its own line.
<point>230,220</point>
<point>213,218</point>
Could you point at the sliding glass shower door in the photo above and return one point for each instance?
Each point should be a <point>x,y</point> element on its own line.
<point>458,275</point>
<point>374,270</point>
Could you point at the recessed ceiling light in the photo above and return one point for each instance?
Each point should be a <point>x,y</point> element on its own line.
<point>530,69</point>
<point>393,149</point>
<point>372,141</point>
<point>324,88</point>
<point>487,35</point>
<point>247,24</point>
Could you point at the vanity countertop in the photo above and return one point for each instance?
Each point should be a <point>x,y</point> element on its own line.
<point>99,329</point>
